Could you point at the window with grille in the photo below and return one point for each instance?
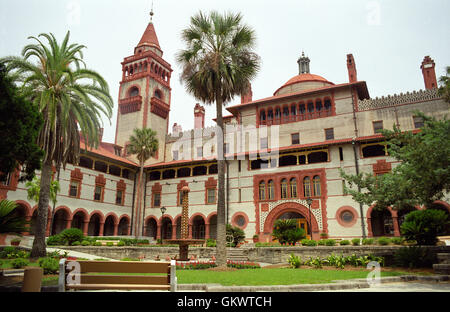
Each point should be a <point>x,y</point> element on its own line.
<point>377,126</point>
<point>307,186</point>
<point>329,134</point>
<point>293,187</point>
<point>156,199</point>
<point>284,189</point>
<point>295,138</point>
<point>211,196</point>
<point>119,197</point>
<point>262,190</point>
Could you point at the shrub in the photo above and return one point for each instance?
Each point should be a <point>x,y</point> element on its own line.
<point>315,262</point>
<point>294,261</point>
<point>85,243</point>
<point>414,257</point>
<point>50,265</point>
<point>19,263</point>
<point>424,226</point>
<point>308,242</point>
<point>344,242</point>
<point>109,244</point>
<point>236,233</point>
<point>384,241</point>
<point>321,242</point>
<point>97,244</point>
<point>7,250</point>
<point>282,228</point>
<point>368,241</point>
<point>72,235</point>
<point>295,235</point>
<point>356,241</point>
<point>14,253</point>
<point>121,243</point>
<point>55,240</point>
<point>330,242</point>
<point>397,240</point>
<point>77,243</point>
<point>211,242</point>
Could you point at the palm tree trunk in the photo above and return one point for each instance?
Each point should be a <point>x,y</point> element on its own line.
<point>221,247</point>
<point>140,206</point>
<point>39,246</point>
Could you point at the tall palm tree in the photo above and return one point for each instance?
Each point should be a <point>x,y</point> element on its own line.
<point>70,98</point>
<point>217,64</point>
<point>143,144</point>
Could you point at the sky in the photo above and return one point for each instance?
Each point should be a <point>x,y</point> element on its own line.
<point>387,38</point>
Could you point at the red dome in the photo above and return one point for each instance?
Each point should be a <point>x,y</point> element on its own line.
<point>304,78</point>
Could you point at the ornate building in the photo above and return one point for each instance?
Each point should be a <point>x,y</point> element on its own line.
<point>281,151</point>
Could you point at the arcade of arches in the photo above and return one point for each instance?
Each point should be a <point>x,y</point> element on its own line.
<point>93,224</point>
<point>200,227</point>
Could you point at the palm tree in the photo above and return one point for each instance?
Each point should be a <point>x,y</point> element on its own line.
<point>217,64</point>
<point>444,89</point>
<point>9,221</point>
<point>143,144</point>
<point>70,98</point>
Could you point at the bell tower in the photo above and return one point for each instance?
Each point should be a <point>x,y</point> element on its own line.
<point>144,93</point>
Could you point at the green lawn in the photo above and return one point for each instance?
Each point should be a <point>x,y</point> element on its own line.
<point>275,276</point>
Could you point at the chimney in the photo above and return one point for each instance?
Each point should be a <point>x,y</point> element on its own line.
<point>199,116</point>
<point>351,67</point>
<point>429,75</point>
<point>176,129</point>
<point>247,95</point>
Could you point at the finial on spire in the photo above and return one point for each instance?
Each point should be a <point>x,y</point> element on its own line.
<point>151,13</point>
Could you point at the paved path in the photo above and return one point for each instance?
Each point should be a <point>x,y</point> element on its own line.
<point>72,253</point>
<point>401,287</point>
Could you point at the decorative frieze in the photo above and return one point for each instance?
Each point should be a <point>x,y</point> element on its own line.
<point>398,99</point>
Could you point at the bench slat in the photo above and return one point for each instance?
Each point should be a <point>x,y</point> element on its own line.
<point>118,287</point>
<point>124,267</point>
<point>124,279</point>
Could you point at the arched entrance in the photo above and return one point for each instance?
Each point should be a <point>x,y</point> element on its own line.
<point>94,225</point>
<point>108,229</point>
<point>151,228</point>
<point>166,228</point>
<point>198,227</point>
<point>78,220</point>
<point>60,221</point>
<point>124,225</point>
<point>289,210</point>
<point>213,227</point>
<point>381,222</point>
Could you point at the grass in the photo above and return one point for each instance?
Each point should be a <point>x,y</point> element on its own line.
<point>273,276</point>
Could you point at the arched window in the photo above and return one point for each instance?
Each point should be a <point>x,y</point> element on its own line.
<point>293,111</point>
<point>293,187</point>
<point>316,182</point>
<point>310,107</point>
<point>307,186</point>
<point>262,190</point>
<point>158,94</point>
<point>284,190</point>
<point>319,105</point>
<point>262,116</point>
<point>277,113</point>
<point>270,190</point>
<point>134,91</point>
<point>285,114</point>
<point>269,114</point>
<point>327,105</point>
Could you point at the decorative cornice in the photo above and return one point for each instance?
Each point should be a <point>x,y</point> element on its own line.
<point>76,174</point>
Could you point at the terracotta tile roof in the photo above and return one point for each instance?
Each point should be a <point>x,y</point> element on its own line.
<point>149,37</point>
<point>303,78</point>
<point>106,150</point>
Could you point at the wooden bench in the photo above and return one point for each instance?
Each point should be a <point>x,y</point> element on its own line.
<point>84,275</point>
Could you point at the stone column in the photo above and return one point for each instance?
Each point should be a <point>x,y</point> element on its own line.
<point>116,229</point>
<point>102,227</point>
<point>85,227</point>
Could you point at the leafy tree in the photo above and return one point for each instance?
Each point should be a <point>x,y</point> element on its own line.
<point>217,64</point>
<point>9,221</point>
<point>444,89</point>
<point>69,97</point>
<point>19,126</point>
<point>34,189</point>
<point>143,144</point>
<point>422,177</point>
